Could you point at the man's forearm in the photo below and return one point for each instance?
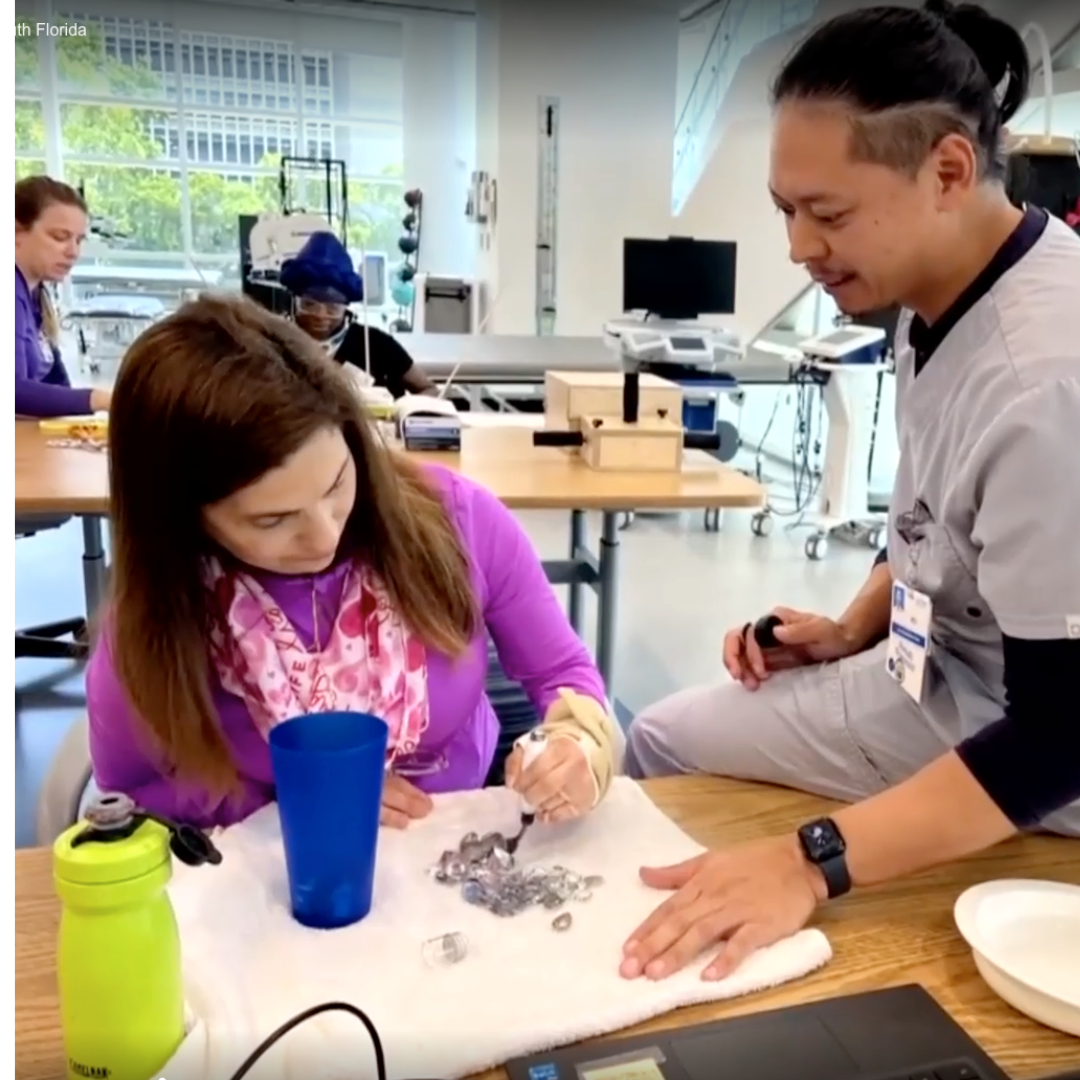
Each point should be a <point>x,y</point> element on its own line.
<point>941,814</point>
<point>866,619</point>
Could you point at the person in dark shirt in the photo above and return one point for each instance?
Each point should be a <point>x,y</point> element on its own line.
<point>323,284</point>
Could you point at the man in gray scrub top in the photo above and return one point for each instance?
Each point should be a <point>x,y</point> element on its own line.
<point>886,165</point>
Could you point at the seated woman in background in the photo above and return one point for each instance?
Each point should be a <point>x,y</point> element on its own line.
<point>273,558</point>
<point>323,283</point>
<point>50,226</point>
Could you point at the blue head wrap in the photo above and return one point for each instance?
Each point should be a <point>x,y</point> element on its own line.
<point>323,271</point>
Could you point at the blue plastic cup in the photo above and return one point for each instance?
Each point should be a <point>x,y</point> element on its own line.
<point>329,770</point>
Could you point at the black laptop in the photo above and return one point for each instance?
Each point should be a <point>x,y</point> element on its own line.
<point>896,1034</point>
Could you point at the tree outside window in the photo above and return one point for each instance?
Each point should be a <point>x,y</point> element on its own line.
<point>120,136</point>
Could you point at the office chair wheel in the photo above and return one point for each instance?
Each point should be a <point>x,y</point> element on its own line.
<point>761,524</point>
<point>817,547</point>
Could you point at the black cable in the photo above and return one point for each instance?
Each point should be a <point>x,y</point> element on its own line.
<point>307,1014</point>
<point>764,438</point>
<point>874,427</point>
<point>800,444</point>
<point>805,477</point>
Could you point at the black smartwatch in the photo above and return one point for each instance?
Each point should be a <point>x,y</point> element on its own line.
<point>823,846</point>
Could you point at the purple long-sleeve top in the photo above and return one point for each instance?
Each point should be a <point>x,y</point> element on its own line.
<point>534,640</point>
<point>42,386</point>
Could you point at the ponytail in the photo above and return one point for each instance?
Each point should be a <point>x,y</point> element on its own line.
<point>50,320</point>
<point>912,76</point>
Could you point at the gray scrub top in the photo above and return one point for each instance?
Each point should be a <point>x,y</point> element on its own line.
<point>985,512</point>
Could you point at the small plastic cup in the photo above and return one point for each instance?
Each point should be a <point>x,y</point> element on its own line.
<point>329,770</point>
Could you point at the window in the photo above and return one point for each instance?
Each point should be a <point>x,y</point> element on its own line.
<point>140,204</point>
<point>26,55</point>
<point>118,58</point>
<point>175,133</point>
<point>29,127</point>
<point>376,209</point>
<point>368,150</point>
<point>29,119</point>
<point>122,132</point>
<point>217,201</point>
<point>26,166</point>
<point>116,130</point>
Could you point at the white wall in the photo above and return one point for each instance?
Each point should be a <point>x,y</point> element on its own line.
<point>1064,114</point>
<point>1056,17</point>
<point>731,198</point>
<point>486,257</point>
<point>731,202</point>
<point>612,64</point>
<point>439,110</point>
<point>339,30</point>
<point>694,41</point>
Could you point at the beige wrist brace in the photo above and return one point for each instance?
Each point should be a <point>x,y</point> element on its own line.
<point>587,721</point>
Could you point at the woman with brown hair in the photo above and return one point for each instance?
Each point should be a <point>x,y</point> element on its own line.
<point>274,558</point>
<point>50,226</point>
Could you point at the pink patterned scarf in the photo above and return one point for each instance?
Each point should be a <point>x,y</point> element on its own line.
<point>369,662</point>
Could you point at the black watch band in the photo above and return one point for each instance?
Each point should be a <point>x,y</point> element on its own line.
<point>824,847</point>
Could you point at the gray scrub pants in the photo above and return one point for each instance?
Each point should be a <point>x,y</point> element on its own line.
<point>844,731</point>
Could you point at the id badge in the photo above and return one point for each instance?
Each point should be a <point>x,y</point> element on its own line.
<point>909,638</point>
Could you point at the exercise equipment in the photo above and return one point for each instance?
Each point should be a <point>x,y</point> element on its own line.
<point>402,286</point>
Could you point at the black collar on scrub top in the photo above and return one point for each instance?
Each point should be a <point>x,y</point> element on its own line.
<point>926,340</point>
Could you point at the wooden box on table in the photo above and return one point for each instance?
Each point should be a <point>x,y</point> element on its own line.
<point>591,403</point>
<point>570,395</point>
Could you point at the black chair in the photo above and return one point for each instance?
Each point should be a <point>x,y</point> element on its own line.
<point>47,642</point>
<point>515,712</point>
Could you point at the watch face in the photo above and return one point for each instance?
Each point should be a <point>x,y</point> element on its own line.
<point>822,841</point>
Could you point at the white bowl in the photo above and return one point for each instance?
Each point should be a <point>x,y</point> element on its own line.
<point>1025,938</point>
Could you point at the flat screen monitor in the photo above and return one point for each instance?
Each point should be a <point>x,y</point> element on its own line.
<point>679,278</point>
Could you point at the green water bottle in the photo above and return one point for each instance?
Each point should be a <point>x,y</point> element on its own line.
<point>118,960</point>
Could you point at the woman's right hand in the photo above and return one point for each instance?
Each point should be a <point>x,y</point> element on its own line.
<point>100,400</point>
<point>402,802</point>
<point>803,639</point>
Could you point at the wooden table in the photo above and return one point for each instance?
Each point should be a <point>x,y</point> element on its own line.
<point>52,480</point>
<point>888,936</point>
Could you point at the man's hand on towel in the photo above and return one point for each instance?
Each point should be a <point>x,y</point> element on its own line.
<point>559,783</point>
<point>739,899</point>
<point>402,802</point>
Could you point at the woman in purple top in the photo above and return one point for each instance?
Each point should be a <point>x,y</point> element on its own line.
<point>50,226</point>
<point>273,558</point>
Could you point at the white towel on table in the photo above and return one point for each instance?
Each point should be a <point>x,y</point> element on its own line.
<point>522,987</point>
